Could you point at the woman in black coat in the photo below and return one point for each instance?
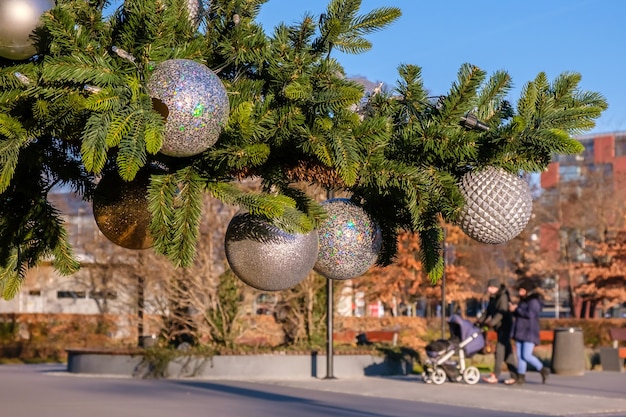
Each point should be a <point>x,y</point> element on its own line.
<point>526,332</point>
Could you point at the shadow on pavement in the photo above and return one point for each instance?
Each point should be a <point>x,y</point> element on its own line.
<point>299,402</point>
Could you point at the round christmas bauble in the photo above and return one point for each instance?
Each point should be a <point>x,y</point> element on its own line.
<point>121,211</point>
<point>193,102</point>
<point>497,207</point>
<point>350,240</point>
<point>18,19</point>
<point>266,257</point>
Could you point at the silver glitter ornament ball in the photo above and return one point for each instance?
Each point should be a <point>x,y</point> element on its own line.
<point>121,211</point>
<point>18,19</point>
<point>497,207</point>
<point>349,240</point>
<point>193,102</point>
<point>266,257</point>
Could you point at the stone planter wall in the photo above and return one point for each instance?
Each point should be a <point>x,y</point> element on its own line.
<point>239,367</point>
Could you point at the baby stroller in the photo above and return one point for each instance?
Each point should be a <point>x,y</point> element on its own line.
<point>446,358</point>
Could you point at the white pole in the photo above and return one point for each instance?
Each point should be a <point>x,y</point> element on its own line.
<point>557,302</point>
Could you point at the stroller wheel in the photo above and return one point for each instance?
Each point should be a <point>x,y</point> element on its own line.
<point>439,376</point>
<point>471,375</point>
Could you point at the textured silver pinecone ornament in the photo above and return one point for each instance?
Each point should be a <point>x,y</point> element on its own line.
<point>195,9</point>
<point>498,205</point>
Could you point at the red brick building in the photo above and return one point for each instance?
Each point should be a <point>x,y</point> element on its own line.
<point>583,197</point>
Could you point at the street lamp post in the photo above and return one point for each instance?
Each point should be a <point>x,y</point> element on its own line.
<point>443,287</point>
<point>329,329</point>
<point>329,319</point>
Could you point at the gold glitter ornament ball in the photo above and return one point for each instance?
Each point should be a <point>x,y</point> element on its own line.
<point>266,257</point>
<point>350,240</point>
<point>121,211</point>
<point>18,20</point>
<point>193,102</point>
<point>498,205</point>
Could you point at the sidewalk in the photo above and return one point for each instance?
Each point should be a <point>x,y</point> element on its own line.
<point>595,393</point>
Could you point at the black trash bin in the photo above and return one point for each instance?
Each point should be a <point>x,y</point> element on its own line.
<point>568,351</point>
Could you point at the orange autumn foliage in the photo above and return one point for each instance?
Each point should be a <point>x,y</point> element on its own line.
<point>405,281</point>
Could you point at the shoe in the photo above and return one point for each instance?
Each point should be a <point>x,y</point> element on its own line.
<point>491,379</point>
<point>521,379</point>
<point>545,372</point>
<point>510,381</point>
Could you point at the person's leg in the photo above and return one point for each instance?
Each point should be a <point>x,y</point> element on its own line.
<point>521,367</point>
<point>492,378</point>
<point>509,359</point>
<point>521,362</point>
<point>499,360</point>
<point>527,355</point>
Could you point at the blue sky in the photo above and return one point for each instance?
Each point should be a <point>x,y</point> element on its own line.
<point>521,37</point>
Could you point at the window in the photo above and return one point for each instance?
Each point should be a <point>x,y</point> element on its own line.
<point>34,293</point>
<point>569,173</point>
<point>71,294</point>
<point>620,145</point>
<point>101,295</point>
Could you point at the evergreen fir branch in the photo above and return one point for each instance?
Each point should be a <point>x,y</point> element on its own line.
<point>132,149</point>
<point>316,144</point>
<point>265,205</point>
<point>8,98</point>
<point>94,144</point>
<point>341,26</point>
<point>462,95</point>
<point>287,122</point>
<point>9,153</point>
<point>223,191</point>
<point>301,35</point>
<point>430,252</point>
<point>41,109</point>
<point>376,20</point>
<point>353,45</point>
<point>154,130</point>
<point>410,87</point>
<point>80,69</point>
<point>564,87</point>
<point>526,108</point>
<point>240,121</point>
<point>491,95</point>
<point>11,277</point>
<point>306,205</point>
<point>297,91</point>
<point>240,157</point>
<point>162,193</point>
<point>120,126</point>
<point>106,100</point>
<point>186,219</point>
<point>63,258</point>
<point>12,138</point>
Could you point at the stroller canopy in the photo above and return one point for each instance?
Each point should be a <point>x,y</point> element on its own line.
<point>464,329</point>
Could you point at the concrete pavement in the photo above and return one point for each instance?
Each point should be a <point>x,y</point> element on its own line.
<point>33,390</point>
<point>595,393</point>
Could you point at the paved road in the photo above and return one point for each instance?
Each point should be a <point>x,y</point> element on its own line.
<point>47,390</point>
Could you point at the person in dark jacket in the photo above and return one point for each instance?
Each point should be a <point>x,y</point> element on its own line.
<point>499,317</point>
<point>526,331</point>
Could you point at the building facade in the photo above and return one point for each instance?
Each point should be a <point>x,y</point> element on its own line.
<point>581,200</point>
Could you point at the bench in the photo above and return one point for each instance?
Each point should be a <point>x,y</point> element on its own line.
<point>364,338</point>
<point>381,336</point>
<point>345,337</point>
<point>612,358</point>
<point>544,336</point>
